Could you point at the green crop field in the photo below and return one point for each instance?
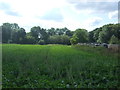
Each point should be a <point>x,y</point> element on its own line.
<point>58,66</point>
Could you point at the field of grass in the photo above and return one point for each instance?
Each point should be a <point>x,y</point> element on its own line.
<point>58,66</point>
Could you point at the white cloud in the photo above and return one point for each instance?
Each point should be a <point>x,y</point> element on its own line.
<point>73,1</point>
<point>32,11</point>
<point>34,7</point>
<point>92,23</point>
<point>113,15</point>
<point>55,15</point>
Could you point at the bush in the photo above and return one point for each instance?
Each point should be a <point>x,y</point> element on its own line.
<point>29,40</point>
<point>59,39</point>
<point>74,40</point>
<point>41,42</point>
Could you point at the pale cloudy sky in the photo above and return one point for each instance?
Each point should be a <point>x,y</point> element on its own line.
<point>72,14</point>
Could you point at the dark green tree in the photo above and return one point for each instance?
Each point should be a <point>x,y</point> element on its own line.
<point>96,33</point>
<point>69,33</point>
<point>35,32</point>
<point>91,36</point>
<point>43,35</point>
<point>61,31</point>
<point>21,35</point>
<point>114,40</point>
<point>6,32</point>
<point>107,32</point>
<point>51,32</point>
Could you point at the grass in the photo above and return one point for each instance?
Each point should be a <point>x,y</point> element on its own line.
<point>59,66</point>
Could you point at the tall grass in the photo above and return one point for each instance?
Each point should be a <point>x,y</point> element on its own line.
<point>59,66</point>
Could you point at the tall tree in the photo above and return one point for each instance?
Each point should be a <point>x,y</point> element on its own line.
<point>91,36</point>
<point>51,32</point>
<point>61,31</point>
<point>6,32</point>
<point>107,32</point>
<point>17,34</point>
<point>96,33</point>
<point>21,35</point>
<point>69,33</point>
<point>35,32</point>
<point>43,35</point>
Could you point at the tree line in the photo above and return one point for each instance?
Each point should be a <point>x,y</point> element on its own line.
<point>12,33</point>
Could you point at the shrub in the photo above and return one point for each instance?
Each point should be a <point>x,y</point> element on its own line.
<point>59,39</point>
<point>41,42</point>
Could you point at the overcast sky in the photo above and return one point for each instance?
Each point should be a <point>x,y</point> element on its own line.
<point>72,14</point>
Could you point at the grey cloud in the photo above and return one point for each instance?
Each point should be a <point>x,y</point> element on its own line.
<point>97,7</point>
<point>54,15</point>
<point>7,9</point>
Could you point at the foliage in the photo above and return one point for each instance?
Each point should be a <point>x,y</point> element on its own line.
<point>104,33</point>
<point>30,40</point>
<point>69,33</point>
<point>6,31</point>
<point>74,40</point>
<point>80,36</point>
<point>91,36</point>
<point>35,32</point>
<point>96,33</point>
<point>114,40</point>
<point>59,39</point>
<point>51,31</point>
<point>41,42</point>
<point>65,39</point>
<point>12,33</point>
